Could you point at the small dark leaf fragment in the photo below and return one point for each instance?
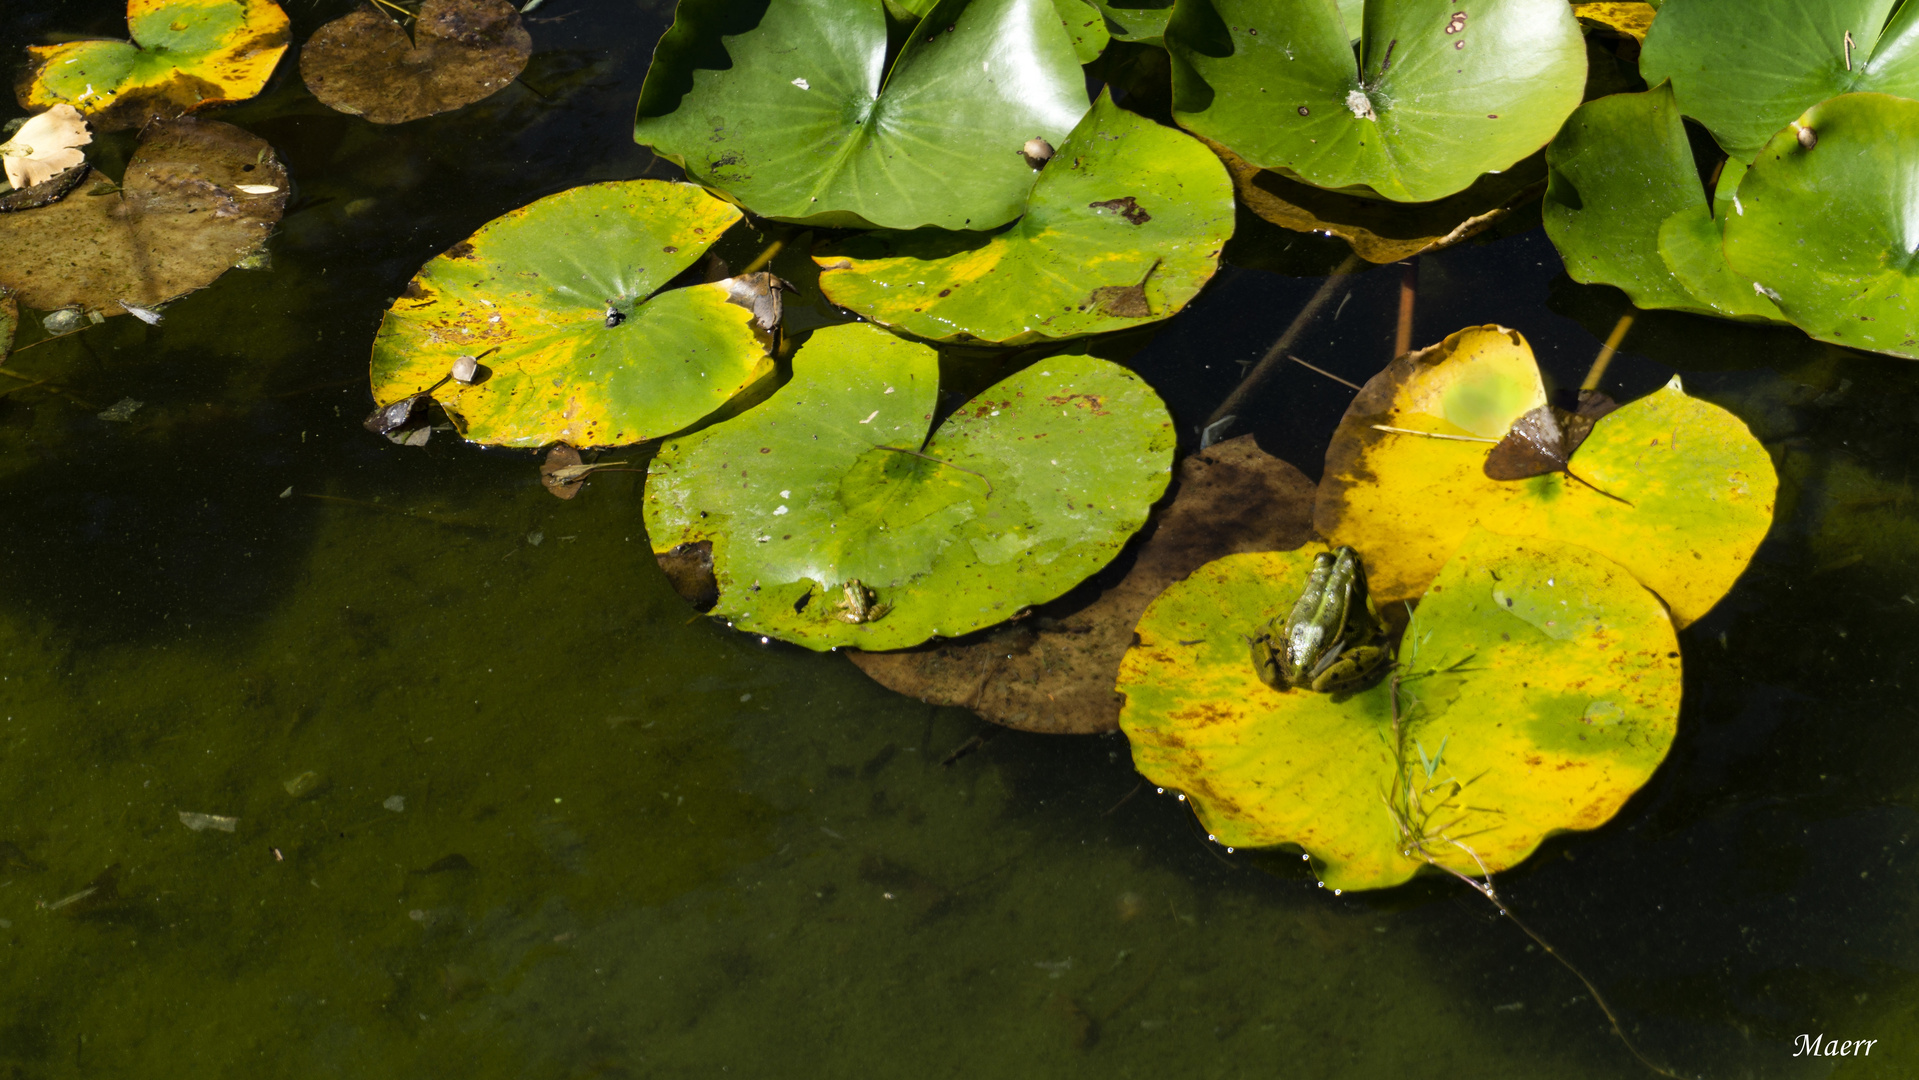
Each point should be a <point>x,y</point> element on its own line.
<point>689,569</point>
<point>1126,207</point>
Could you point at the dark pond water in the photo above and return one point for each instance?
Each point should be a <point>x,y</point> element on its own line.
<point>563,827</point>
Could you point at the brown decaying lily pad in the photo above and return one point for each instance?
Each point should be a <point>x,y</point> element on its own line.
<point>178,221</point>
<point>1379,231</point>
<point>1054,672</point>
<point>461,51</point>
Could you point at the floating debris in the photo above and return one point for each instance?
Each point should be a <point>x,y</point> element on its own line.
<point>305,785</point>
<point>145,315</point>
<point>395,803</point>
<point>203,822</point>
<point>121,411</point>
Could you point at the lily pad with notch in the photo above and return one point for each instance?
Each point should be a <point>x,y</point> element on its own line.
<point>837,516</point>
<point>198,197</point>
<point>185,55</point>
<point>1675,489</point>
<point>1625,207</point>
<point>1537,688</point>
<point>1746,70</point>
<point>1124,226</point>
<point>1438,96</point>
<point>1827,223</point>
<point>457,52</point>
<point>789,107</point>
<point>557,312</point>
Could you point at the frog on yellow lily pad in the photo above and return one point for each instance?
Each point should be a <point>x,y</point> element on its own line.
<point>1675,489</point>
<point>185,54</point>
<point>1536,689</point>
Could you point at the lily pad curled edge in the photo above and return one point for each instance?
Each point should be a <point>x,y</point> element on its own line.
<point>185,54</point>
<point>1675,489</point>
<point>786,108</point>
<point>559,305</point>
<point>1827,229</point>
<point>1123,227</point>
<point>1024,492</point>
<point>1538,688</point>
<point>1438,97</point>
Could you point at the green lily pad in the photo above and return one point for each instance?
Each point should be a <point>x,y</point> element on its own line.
<point>1142,21</point>
<point>1123,228</point>
<point>1746,69</point>
<point>788,108</point>
<point>832,485</point>
<point>559,303</point>
<point>185,54</point>
<point>1538,688</point>
<point>1086,25</point>
<point>1625,207</point>
<point>1439,95</point>
<point>1829,230</point>
<point>1675,489</point>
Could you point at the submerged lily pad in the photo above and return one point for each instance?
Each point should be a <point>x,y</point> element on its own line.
<point>9,322</point>
<point>1053,672</point>
<point>1538,688</point>
<point>1675,489</point>
<point>1438,97</point>
<point>1828,229</point>
<point>835,520</point>
<point>458,52</point>
<point>1625,207</point>
<point>788,108</point>
<point>1124,227</point>
<point>1142,21</point>
<point>198,197</point>
<point>1746,69</point>
<point>559,306</point>
<point>185,54</point>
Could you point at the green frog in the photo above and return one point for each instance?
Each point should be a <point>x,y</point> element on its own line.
<point>1326,644</point>
<point>857,603</point>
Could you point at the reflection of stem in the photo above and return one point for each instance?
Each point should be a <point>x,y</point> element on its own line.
<point>1606,351</point>
<point>1251,383</point>
<point>1408,292</point>
<point>1323,371</point>
<point>764,257</point>
<point>937,461</point>
<point>1432,434</point>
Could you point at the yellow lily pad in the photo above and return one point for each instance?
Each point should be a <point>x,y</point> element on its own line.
<point>1684,492</point>
<point>1538,687</point>
<point>554,314</point>
<point>1630,19</point>
<point>185,54</point>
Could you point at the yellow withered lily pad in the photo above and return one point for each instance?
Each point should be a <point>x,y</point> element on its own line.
<point>1538,687</point>
<point>553,324</point>
<point>184,54</point>
<point>1676,489</point>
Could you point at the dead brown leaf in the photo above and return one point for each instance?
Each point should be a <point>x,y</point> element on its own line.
<point>179,220</point>
<point>1054,671</point>
<point>460,52</point>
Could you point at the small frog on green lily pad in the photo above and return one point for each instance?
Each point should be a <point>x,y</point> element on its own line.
<point>1326,644</point>
<point>858,604</point>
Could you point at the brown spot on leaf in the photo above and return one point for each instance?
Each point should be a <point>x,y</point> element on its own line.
<point>1126,207</point>
<point>1122,301</point>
